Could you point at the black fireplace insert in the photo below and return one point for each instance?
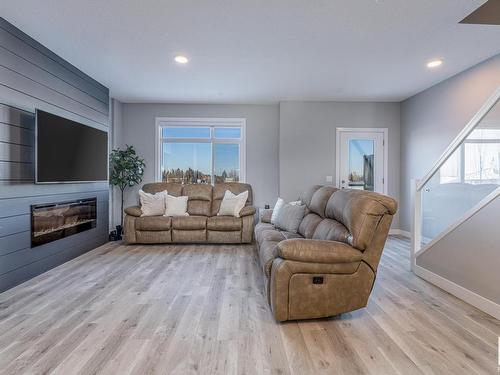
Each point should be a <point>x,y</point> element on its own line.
<point>53,221</point>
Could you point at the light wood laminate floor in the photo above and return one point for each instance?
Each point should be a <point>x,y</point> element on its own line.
<point>186,309</point>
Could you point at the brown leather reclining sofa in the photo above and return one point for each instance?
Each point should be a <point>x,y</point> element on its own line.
<point>329,266</point>
<point>202,224</point>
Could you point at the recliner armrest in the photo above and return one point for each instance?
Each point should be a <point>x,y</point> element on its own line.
<point>318,251</point>
<point>247,211</point>
<point>133,211</point>
<point>266,216</point>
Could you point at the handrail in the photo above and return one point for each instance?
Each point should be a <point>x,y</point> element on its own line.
<point>492,100</point>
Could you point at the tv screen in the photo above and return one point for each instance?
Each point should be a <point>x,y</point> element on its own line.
<point>68,151</point>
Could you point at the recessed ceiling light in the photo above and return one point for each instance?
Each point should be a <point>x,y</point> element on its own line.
<point>434,63</point>
<point>181,59</point>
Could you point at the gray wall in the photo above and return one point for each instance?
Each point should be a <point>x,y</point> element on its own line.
<point>468,256</point>
<point>431,119</point>
<point>115,142</point>
<point>262,122</point>
<point>307,141</point>
<point>32,77</point>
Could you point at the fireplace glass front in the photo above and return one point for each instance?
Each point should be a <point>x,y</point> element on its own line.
<point>53,221</point>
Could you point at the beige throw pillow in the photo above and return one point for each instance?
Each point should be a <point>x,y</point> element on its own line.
<point>152,204</point>
<point>176,206</point>
<point>232,204</point>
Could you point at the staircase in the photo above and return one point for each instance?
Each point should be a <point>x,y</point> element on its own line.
<point>456,214</point>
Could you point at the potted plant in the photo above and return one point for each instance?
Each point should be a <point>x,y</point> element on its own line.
<point>126,169</point>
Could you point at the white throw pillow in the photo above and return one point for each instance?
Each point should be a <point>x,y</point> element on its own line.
<point>232,204</point>
<point>152,204</point>
<point>176,206</point>
<point>277,207</point>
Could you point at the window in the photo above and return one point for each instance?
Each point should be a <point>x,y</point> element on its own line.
<point>476,161</point>
<point>200,150</point>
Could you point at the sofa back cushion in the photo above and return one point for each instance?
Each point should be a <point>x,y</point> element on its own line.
<point>308,225</point>
<point>360,212</point>
<point>307,195</point>
<point>331,230</point>
<point>155,187</point>
<point>319,200</point>
<point>234,187</point>
<point>199,199</point>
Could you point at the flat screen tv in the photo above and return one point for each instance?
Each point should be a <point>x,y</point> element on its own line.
<point>68,151</point>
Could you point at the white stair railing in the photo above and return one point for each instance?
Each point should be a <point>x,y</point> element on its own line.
<point>465,178</point>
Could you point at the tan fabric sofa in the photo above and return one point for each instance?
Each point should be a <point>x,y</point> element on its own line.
<point>202,224</point>
<point>329,266</point>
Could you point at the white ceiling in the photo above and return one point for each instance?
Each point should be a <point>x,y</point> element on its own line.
<point>258,51</point>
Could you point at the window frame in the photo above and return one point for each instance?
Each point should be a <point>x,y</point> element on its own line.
<point>212,123</point>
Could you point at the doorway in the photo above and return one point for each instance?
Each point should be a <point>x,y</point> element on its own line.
<point>362,157</point>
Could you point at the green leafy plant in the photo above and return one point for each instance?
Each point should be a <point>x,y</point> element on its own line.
<point>126,169</point>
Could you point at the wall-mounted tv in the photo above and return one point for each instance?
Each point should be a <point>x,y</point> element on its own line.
<point>67,151</point>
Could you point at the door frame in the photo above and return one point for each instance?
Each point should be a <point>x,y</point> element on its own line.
<point>385,133</point>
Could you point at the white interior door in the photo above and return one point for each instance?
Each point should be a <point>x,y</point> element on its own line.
<point>361,159</point>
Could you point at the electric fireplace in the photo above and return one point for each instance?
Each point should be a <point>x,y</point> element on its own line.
<point>53,221</point>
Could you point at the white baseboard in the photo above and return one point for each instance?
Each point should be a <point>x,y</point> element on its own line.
<point>400,232</point>
<point>483,304</point>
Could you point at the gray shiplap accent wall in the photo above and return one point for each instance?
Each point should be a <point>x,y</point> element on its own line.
<point>31,76</point>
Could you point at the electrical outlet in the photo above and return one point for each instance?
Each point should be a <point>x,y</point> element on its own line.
<point>329,178</point>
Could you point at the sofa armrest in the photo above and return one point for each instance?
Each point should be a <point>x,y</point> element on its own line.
<point>247,211</point>
<point>133,211</point>
<point>318,251</point>
<point>266,216</point>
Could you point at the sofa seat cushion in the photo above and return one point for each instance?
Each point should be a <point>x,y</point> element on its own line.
<point>153,223</point>
<point>260,228</point>
<point>189,222</point>
<point>268,251</point>
<point>272,235</point>
<point>224,223</point>
<point>227,236</point>
<point>290,235</point>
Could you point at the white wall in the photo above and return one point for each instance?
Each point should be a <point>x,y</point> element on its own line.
<point>307,141</point>
<point>138,129</point>
<point>431,119</point>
